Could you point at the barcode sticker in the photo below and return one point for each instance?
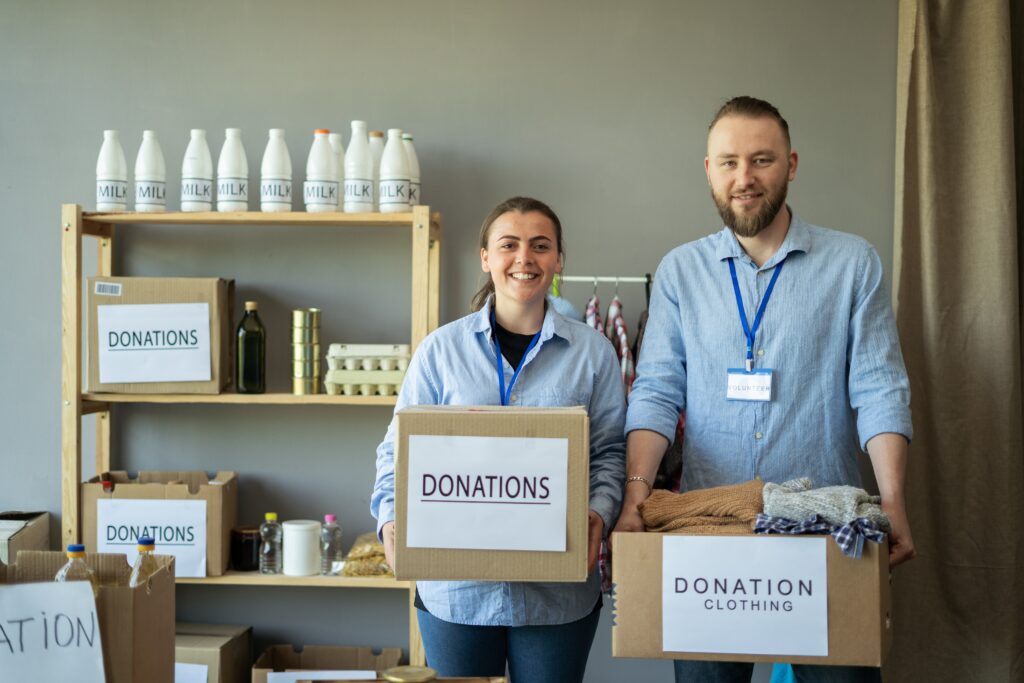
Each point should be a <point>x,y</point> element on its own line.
<point>108,289</point>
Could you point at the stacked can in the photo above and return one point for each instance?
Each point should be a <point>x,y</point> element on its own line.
<point>306,351</point>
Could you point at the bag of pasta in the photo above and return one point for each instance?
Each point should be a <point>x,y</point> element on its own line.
<point>366,558</point>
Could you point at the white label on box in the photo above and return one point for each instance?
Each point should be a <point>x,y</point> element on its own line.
<point>190,673</point>
<point>487,493</point>
<point>154,343</point>
<point>50,632</point>
<point>294,676</point>
<point>177,526</point>
<point>749,595</point>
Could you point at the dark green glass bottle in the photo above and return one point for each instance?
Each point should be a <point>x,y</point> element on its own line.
<point>251,353</point>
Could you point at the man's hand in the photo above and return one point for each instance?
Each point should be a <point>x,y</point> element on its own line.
<point>595,532</point>
<point>901,544</point>
<point>388,533</point>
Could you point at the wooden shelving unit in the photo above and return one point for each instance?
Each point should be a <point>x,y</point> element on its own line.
<point>76,225</point>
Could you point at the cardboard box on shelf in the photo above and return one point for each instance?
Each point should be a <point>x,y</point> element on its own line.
<point>323,658</point>
<point>492,493</point>
<point>178,332</point>
<point>177,523</point>
<point>225,650</point>
<point>136,624</point>
<point>750,598</point>
<point>23,531</point>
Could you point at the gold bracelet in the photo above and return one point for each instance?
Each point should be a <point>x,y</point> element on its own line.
<point>644,480</point>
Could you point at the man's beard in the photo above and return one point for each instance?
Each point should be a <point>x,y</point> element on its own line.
<point>750,225</point>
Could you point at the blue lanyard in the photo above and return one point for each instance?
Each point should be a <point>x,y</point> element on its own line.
<point>504,395</point>
<point>750,332</point>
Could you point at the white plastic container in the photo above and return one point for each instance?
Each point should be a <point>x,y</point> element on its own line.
<point>414,170</point>
<point>111,175</point>
<point>358,171</point>
<point>197,174</point>
<point>301,547</point>
<point>320,191</point>
<point>276,174</point>
<point>376,152</point>
<point>339,156</point>
<point>150,176</point>
<point>394,175</point>
<point>232,173</point>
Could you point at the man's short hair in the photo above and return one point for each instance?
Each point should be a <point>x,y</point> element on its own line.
<point>751,107</point>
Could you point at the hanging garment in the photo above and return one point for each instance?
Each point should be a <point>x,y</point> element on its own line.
<point>593,315</point>
<point>615,330</point>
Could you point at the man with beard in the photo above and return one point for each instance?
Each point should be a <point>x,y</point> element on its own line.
<point>778,340</point>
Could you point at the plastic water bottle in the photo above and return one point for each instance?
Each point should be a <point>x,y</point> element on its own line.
<point>77,570</point>
<point>111,175</point>
<point>320,191</point>
<point>414,170</point>
<point>376,153</point>
<point>197,174</point>
<point>150,176</point>
<point>339,155</point>
<point>145,564</point>
<point>394,175</point>
<point>270,545</point>
<point>358,171</point>
<point>232,173</point>
<point>331,557</point>
<point>276,174</point>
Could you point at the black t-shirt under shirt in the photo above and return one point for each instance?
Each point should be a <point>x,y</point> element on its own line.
<point>513,346</point>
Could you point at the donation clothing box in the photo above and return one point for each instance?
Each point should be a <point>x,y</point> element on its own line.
<point>492,493</point>
<point>23,531</point>
<point>189,514</point>
<point>750,598</point>
<point>225,650</point>
<point>150,335</point>
<point>323,658</point>
<point>129,630</point>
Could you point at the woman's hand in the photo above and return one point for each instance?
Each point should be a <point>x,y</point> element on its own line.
<point>388,534</point>
<point>595,532</point>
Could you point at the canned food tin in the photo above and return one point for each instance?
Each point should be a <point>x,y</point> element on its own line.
<point>305,335</point>
<point>305,351</point>
<point>306,368</point>
<point>305,385</point>
<point>306,317</point>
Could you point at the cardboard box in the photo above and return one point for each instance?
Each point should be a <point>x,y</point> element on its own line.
<point>324,658</point>
<point>220,494</point>
<point>492,429</point>
<point>858,602</point>
<point>34,535</point>
<point>136,624</point>
<point>218,294</point>
<point>225,650</point>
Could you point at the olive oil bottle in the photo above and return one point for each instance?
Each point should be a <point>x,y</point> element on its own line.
<point>251,353</point>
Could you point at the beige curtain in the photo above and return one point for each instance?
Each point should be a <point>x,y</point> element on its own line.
<point>959,607</point>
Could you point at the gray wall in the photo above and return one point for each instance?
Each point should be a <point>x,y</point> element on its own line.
<point>600,108</point>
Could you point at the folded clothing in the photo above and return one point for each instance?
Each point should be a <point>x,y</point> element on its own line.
<point>837,505</point>
<point>850,537</point>
<point>722,509</point>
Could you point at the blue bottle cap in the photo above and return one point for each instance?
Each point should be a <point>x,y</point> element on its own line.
<point>76,548</point>
<point>146,540</point>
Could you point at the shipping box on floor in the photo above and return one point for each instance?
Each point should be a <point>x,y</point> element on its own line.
<point>136,624</point>
<point>162,342</point>
<point>492,493</point>
<point>220,494</point>
<point>323,658</point>
<point>745,599</point>
<point>34,535</point>
<point>225,650</point>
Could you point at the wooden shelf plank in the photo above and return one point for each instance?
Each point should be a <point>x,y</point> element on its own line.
<point>246,399</point>
<point>233,578</point>
<point>293,218</point>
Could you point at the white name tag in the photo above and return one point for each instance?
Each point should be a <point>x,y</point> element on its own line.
<point>755,385</point>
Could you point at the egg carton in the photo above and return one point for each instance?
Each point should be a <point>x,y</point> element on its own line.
<point>370,383</point>
<point>368,357</point>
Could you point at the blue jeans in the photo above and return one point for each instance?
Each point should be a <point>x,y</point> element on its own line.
<point>739,672</point>
<point>535,654</point>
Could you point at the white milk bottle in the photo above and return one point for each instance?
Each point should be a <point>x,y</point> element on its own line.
<point>394,175</point>
<point>376,152</point>
<point>276,174</point>
<point>320,191</point>
<point>414,170</point>
<point>197,174</point>
<point>232,173</point>
<point>111,175</point>
<point>358,171</point>
<point>339,157</point>
<point>150,176</point>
